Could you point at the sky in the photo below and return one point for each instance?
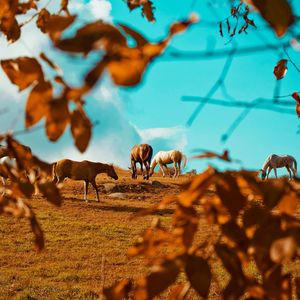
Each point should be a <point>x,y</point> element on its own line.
<point>153,111</point>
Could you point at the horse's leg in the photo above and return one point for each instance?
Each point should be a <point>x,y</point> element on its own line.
<point>162,168</point>
<point>85,188</point>
<point>142,169</point>
<point>275,172</point>
<point>175,169</point>
<point>179,168</point>
<point>268,172</point>
<point>147,164</point>
<point>96,189</point>
<point>290,174</point>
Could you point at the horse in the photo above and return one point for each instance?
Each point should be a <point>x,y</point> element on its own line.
<point>162,158</point>
<point>142,154</point>
<point>82,170</point>
<point>279,161</point>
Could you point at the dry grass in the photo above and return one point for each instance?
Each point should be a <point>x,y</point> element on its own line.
<point>86,244</point>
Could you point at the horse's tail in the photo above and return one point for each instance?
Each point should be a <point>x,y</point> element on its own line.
<point>184,160</point>
<point>295,167</point>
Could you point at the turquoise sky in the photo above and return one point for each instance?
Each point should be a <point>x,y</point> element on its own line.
<point>130,115</point>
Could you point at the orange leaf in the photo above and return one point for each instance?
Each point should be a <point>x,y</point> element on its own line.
<point>36,105</point>
<point>50,192</point>
<point>277,13</point>
<point>280,69</point>
<point>119,290</point>
<point>199,274</point>
<point>283,249</point>
<point>296,96</point>
<point>81,128</point>
<point>23,71</point>
<point>57,118</point>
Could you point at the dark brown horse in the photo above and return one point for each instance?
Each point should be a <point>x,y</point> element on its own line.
<point>141,154</point>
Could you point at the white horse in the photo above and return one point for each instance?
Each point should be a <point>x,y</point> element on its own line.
<point>279,161</point>
<point>11,162</point>
<point>162,158</point>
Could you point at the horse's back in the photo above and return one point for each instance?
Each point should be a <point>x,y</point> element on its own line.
<point>141,152</point>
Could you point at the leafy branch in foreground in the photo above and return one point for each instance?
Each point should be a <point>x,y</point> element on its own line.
<point>253,224</point>
<point>30,173</point>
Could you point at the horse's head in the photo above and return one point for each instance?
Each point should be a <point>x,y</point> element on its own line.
<point>263,174</point>
<point>151,171</point>
<point>111,172</point>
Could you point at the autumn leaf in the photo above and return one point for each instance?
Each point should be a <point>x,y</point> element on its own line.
<point>57,118</point>
<point>53,25</point>
<point>156,282</point>
<point>296,96</point>
<point>50,192</point>
<point>224,156</point>
<point>38,233</point>
<point>280,69</point>
<point>147,8</point>
<point>119,290</point>
<point>277,13</point>
<point>81,129</point>
<point>36,105</point>
<point>199,274</point>
<point>283,249</point>
<point>23,71</point>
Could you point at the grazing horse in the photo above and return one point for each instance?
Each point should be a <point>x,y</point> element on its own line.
<point>279,161</point>
<point>162,158</point>
<point>141,154</point>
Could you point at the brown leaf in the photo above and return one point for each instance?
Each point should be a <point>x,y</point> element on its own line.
<point>50,192</point>
<point>224,156</point>
<point>38,233</point>
<point>138,38</point>
<point>156,282</point>
<point>36,105</point>
<point>54,25</point>
<point>147,8</point>
<point>199,274</point>
<point>23,71</point>
<point>289,203</point>
<point>296,96</point>
<point>57,118</point>
<point>280,69</point>
<point>277,13</point>
<point>298,110</point>
<point>92,37</point>
<point>119,290</point>
<point>229,192</point>
<point>25,6</point>
<point>64,6</point>
<point>81,129</point>
<point>283,249</point>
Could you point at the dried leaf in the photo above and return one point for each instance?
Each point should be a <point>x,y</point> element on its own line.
<point>283,249</point>
<point>50,63</point>
<point>199,274</point>
<point>296,96</point>
<point>277,13</point>
<point>57,118</point>
<point>119,290</point>
<point>81,129</point>
<point>50,192</point>
<point>23,71</point>
<point>54,25</point>
<point>224,156</point>
<point>156,282</point>
<point>36,105</point>
<point>38,233</point>
<point>280,69</point>
<point>139,39</point>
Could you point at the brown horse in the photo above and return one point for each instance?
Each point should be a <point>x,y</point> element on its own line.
<point>141,154</point>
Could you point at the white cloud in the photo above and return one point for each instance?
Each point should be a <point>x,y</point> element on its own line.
<point>92,10</point>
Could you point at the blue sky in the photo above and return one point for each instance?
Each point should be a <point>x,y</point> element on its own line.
<point>154,111</point>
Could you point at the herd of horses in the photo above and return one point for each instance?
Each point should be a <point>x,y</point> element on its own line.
<point>141,154</point>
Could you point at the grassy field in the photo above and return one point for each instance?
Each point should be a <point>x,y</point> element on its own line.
<point>86,244</point>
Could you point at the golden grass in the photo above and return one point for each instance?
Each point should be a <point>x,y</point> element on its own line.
<point>86,244</point>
